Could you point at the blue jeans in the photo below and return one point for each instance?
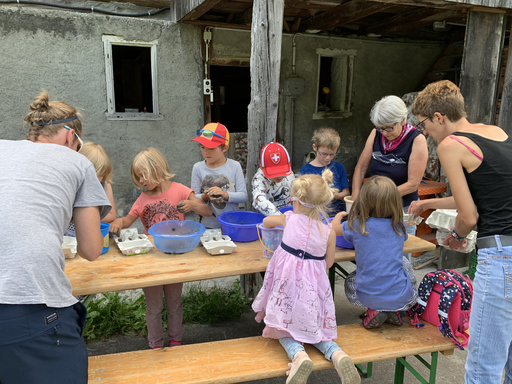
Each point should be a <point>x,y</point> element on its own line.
<point>410,230</point>
<point>292,347</point>
<point>490,325</point>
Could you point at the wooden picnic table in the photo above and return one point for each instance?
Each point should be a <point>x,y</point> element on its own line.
<point>114,271</point>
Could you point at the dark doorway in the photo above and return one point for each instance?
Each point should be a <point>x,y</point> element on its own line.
<point>231,96</point>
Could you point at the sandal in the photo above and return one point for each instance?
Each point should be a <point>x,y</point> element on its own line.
<point>374,319</point>
<point>394,318</point>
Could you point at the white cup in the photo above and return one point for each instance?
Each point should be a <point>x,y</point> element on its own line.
<point>348,203</point>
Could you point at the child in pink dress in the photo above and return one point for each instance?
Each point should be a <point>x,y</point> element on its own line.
<point>296,300</point>
<point>161,200</point>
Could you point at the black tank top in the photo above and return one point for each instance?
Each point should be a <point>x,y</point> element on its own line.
<point>491,185</point>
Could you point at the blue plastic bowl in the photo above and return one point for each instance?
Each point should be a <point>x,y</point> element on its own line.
<point>340,240</point>
<point>240,225</point>
<point>285,209</point>
<point>174,236</point>
<point>104,232</point>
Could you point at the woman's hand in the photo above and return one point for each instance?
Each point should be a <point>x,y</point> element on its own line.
<point>453,243</point>
<point>416,208</point>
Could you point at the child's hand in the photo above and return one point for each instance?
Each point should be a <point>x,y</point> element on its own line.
<point>217,194</point>
<point>184,206</point>
<point>341,216</point>
<point>116,226</point>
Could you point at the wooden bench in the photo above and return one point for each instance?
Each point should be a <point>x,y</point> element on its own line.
<point>255,358</point>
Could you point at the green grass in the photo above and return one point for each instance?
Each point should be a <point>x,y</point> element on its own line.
<point>113,314</point>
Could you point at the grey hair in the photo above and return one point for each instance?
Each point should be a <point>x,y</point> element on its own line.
<point>388,111</point>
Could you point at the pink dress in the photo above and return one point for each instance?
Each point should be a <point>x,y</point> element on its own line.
<point>296,298</point>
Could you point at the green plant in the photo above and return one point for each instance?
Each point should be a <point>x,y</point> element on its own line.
<point>114,314</point>
<point>213,305</point>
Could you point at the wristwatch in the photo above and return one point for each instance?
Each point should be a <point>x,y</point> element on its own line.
<point>457,237</point>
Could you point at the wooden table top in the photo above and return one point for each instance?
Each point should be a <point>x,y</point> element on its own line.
<point>114,271</point>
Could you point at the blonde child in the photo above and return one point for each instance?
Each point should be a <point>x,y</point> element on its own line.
<point>384,280</point>
<point>219,181</point>
<point>296,300</point>
<point>326,142</point>
<point>103,167</point>
<point>162,200</point>
<point>272,183</point>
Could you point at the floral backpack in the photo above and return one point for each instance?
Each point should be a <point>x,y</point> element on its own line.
<point>444,299</point>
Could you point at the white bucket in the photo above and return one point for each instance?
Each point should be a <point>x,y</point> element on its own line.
<point>348,203</point>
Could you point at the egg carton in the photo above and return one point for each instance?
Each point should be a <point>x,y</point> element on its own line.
<point>471,240</point>
<point>131,243</point>
<point>69,246</point>
<point>409,218</point>
<point>216,243</point>
<point>442,219</point>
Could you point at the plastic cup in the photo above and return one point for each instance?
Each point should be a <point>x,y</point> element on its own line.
<point>348,203</point>
<point>270,239</point>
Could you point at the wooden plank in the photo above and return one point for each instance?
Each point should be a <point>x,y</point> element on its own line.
<point>226,361</point>
<point>343,14</point>
<point>486,3</point>
<point>190,9</point>
<point>415,19</point>
<point>216,24</point>
<point>481,63</point>
<point>114,271</point>
<point>505,118</point>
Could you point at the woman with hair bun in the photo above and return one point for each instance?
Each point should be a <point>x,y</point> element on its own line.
<point>44,182</point>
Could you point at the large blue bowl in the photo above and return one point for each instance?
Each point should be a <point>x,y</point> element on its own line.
<point>340,240</point>
<point>174,236</point>
<point>285,209</point>
<point>240,225</point>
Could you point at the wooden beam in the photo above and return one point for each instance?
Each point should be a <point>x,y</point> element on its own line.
<point>217,24</point>
<point>486,3</point>
<point>190,9</point>
<point>481,64</point>
<point>415,19</point>
<point>343,14</point>
<point>505,119</point>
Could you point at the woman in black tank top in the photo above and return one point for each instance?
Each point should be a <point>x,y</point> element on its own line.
<point>476,159</point>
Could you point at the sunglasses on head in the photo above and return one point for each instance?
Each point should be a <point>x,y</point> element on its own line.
<point>79,139</point>
<point>207,133</point>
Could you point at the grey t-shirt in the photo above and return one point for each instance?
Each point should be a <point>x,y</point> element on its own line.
<point>229,177</point>
<point>39,186</point>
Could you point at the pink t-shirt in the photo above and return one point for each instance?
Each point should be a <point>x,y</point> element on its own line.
<point>154,209</point>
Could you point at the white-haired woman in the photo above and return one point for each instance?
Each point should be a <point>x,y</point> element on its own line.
<point>394,149</point>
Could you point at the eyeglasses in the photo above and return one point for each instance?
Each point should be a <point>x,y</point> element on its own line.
<point>207,133</point>
<point>79,139</point>
<point>333,155</point>
<point>420,126</point>
<point>386,129</point>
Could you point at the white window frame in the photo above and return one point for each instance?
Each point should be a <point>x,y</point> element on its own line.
<point>346,85</point>
<point>111,113</point>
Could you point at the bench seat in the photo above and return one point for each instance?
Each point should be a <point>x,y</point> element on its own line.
<point>255,358</point>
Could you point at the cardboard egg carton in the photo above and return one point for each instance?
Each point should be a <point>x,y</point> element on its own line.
<point>69,246</point>
<point>471,240</point>
<point>216,243</point>
<point>442,219</point>
<point>131,243</point>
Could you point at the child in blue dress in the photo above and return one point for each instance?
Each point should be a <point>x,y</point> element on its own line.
<point>384,280</point>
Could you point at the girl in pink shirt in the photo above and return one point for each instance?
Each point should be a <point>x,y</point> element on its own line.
<point>161,200</point>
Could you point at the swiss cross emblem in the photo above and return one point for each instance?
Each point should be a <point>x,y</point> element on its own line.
<point>275,157</point>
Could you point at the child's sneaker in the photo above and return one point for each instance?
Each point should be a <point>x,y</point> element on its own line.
<point>394,318</point>
<point>345,368</point>
<point>156,347</point>
<point>300,368</point>
<point>174,343</point>
<point>374,319</point>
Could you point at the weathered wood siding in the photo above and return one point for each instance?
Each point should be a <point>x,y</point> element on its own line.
<point>485,3</point>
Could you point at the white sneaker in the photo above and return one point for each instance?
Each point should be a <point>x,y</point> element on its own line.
<point>345,367</point>
<point>300,369</point>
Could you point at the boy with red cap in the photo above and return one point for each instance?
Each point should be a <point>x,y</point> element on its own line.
<point>217,180</point>
<point>272,183</point>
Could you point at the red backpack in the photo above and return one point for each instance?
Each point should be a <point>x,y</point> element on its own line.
<point>444,299</point>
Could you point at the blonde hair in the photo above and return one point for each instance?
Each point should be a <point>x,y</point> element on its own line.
<point>314,190</point>
<point>99,158</point>
<point>379,198</point>
<point>152,165</point>
<point>443,97</point>
<point>327,138</point>
<point>44,111</point>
